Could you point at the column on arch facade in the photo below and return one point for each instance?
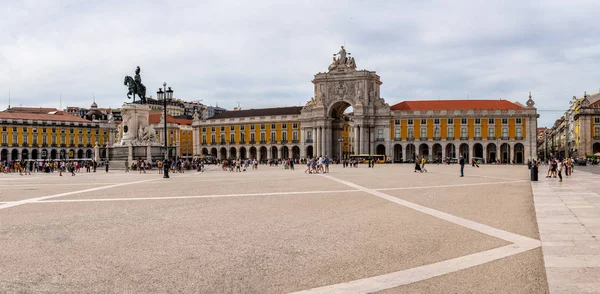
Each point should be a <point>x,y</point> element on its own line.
<point>356,144</point>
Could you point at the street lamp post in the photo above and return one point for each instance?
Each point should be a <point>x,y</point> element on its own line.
<point>167,94</point>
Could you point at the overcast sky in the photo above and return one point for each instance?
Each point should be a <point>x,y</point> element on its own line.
<point>265,53</point>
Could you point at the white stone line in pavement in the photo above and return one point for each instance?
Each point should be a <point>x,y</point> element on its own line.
<point>391,280</point>
<point>255,194</point>
<point>36,199</point>
<point>494,232</point>
<point>449,186</point>
<point>196,196</point>
<point>408,276</point>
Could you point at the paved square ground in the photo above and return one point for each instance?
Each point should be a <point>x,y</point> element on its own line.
<point>354,230</point>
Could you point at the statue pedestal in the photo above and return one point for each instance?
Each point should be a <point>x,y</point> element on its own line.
<point>134,117</point>
<point>137,138</point>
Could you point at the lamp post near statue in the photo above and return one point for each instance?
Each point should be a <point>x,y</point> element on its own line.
<point>167,94</point>
<point>369,128</point>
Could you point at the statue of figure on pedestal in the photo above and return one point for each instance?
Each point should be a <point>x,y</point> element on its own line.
<point>136,87</point>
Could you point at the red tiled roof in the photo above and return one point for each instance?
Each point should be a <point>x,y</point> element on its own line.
<point>455,105</point>
<point>155,118</point>
<point>31,109</point>
<point>595,104</point>
<point>290,110</point>
<point>58,116</point>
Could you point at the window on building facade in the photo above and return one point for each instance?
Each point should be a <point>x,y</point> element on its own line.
<point>477,121</point>
<point>212,129</point>
<point>397,134</point>
<point>72,140</point>
<point>203,139</point>
<point>252,137</point>
<point>273,137</point>
<point>232,128</point>
<point>450,132</point>
<point>436,121</point>
<point>63,139</point>
<point>411,133</point>
<point>596,131</point>
<point>463,121</point>
<point>262,127</point>
<point>436,132</point>
<point>14,129</point>
<point>231,138</point>
<point>204,130</point>
<point>79,138</point>
<point>491,132</point>
<point>272,126</point>
<point>423,133</point>
<point>242,128</point>
<point>222,129</point>
<point>54,139</point>
<point>410,121</point>
<point>504,132</point>
<point>309,135</point>
<point>450,121</point>
<point>423,121</point>
<point>4,138</point>
<point>490,121</point>
<point>25,138</point>
<point>222,137</point>
<point>379,133</point>
<point>294,126</point>
<point>284,136</point>
<point>478,132</point>
<point>397,122</point>
<point>284,126</point>
<point>518,120</point>
<point>505,121</point>
<point>295,135</point>
<point>263,137</point>
<point>213,138</point>
<point>519,132</point>
<point>243,137</point>
<point>597,120</point>
<point>4,128</point>
<point>463,132</point>
<point>24,129</point>
<point>251,127</point>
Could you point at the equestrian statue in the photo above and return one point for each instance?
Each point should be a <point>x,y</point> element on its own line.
<point>136,87</point>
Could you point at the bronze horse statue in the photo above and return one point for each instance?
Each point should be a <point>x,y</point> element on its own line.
<point>135,88</point>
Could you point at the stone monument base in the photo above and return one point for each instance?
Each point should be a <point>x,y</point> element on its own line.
<point>119,154</point>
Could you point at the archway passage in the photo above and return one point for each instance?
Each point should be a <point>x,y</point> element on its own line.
<point>337,112</point>
<point>88,154</point>
<point>285,152</point>
<point>296,152</point>
<point>232,153</point>
<point>25,154</point>
<point>491,153</point>
<point>72,154</point>
<point>243,153</point>
<point>309,151</point>
<point>505,153</point>
<point>478,150</point>
<point>450,150</point>
<point>204,151</point>
<point>436,152</point>
<point>63,153</point>
<point>53,154</point>
<point>44,154</point>
<point>14,154</point>
<point>253,152</point>
<point>424,150</point>
<point>596,148</point>
<point>263,153</point>
<point>464,151</point>
<point>34,154</point>
<point>223,152</point>
<point>80,154</point>
<point>213,152</point>
<point>4,155</point>
<point>519,156</point>
<point>410,152</point>
<point>380,150</point>
<point>274,153</point>
<point>397,153</point>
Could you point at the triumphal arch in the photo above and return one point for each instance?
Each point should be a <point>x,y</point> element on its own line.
<point>323,119</point>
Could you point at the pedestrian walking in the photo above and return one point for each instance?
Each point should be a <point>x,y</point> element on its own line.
<point>107,166</point>
<point>461,161</point>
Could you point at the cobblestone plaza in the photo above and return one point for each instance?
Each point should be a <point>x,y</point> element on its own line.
<point>355,230</point>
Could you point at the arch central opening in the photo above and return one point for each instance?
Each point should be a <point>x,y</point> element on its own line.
<point>341,114</point>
